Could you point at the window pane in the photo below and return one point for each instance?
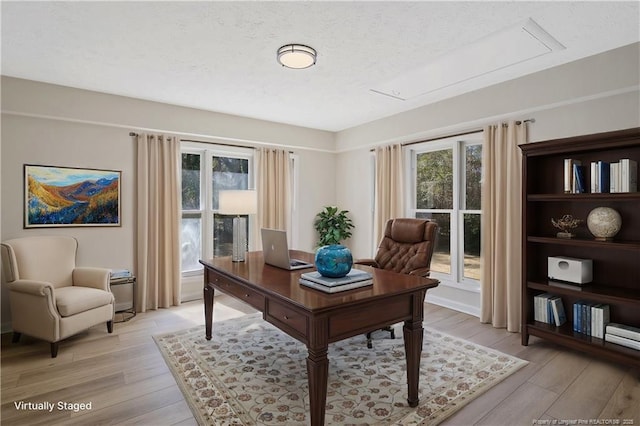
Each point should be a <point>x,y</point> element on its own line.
<point>472,246</point>
<point>228,173</point>
<point>223,234</point>
<point>473,167</point>
<point>190,239</point>
<point>434,180</point>
<point>441,260</point>
<point>190,181</point>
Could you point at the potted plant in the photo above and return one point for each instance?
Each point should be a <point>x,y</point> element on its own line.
<point>333,226</point>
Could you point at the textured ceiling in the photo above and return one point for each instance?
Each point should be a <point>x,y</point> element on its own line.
<point>221,56</point>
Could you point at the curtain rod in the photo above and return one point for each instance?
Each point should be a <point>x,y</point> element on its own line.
<point>469,132</point>
<point>211,143</point>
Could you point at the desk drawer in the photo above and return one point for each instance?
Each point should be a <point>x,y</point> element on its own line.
<point>286,318</point>
<point>238,290</point>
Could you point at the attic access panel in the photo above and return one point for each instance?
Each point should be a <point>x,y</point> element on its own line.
<point>505,48</point>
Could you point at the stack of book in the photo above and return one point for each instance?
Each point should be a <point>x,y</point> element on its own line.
<point>590,318</point>
<point>600,174</point>
<point>624,335</point>
<point>120,273</point>
<point>356,278</point>
<point>573,176</point>
<point>624,176</point>
<point>549,309</point>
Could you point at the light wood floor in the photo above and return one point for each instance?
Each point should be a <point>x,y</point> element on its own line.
<point>127,382</point>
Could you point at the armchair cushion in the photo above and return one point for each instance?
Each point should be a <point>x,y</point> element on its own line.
<point>74,300</point>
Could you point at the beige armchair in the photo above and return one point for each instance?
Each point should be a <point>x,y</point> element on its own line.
<point>50,298</point>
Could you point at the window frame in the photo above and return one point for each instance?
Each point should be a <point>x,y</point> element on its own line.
<point>207,151</point>
<point>457,213</point>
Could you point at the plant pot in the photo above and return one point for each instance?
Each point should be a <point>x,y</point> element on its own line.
<point>333,261</point>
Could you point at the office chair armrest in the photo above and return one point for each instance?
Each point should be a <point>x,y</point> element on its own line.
<point>368,262</point>
<point>423,272</point>
<point>92,277</point>
<point>36,288</point>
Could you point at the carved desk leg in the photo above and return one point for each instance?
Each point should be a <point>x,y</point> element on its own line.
<point>413,335</point>
<point>208,309</point>
<point>318,371</point>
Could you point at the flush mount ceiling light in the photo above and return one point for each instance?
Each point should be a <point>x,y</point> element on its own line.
<point>296,56</point>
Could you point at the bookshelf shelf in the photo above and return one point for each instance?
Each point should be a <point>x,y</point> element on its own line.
<point>616,244</point>
<point>616,264</point>
<point>564,335</point>
<point>596,292</point>
<point>587,197</point>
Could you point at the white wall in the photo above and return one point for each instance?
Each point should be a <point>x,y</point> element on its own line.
<point>596,94</point>
<point>53,125</point>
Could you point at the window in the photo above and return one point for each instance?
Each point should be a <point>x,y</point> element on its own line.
<point>207,170</point>
<point>446,187</point>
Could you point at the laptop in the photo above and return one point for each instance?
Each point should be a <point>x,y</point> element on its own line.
<point>276,250</point>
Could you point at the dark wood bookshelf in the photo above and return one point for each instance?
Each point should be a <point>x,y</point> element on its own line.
<point>616,263</point>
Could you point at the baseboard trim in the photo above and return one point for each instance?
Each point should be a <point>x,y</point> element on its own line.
<point>456,306</point>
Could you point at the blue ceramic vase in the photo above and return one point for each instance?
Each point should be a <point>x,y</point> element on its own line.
<point>334,261</point>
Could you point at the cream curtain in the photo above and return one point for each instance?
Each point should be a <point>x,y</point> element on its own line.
<point>389,191</point>
<point>158,222</point>
<point>501,247</point>
<point>274,188</point>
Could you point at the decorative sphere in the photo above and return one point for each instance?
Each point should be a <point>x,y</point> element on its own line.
<point>334,261</point>
<point>604,223</point>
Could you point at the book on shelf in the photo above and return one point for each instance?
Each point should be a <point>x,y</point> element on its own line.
<point>600,317</point>
<point>623,341</point>
<point>336,288</point>
<point>623,330</point>
<point>557,308</point>
<point>628,175</point>
<point>614,177</point>
<point>578,180</point>
<point>354,275</point>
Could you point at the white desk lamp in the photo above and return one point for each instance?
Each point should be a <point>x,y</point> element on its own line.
<point>238,202</point>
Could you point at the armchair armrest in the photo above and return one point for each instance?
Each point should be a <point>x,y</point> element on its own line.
<point>35,288</point>
<point>92,277</point>
<point>367,262</point>
<point>423,272</point>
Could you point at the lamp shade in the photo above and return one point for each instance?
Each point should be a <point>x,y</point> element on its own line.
<point>237,202</point>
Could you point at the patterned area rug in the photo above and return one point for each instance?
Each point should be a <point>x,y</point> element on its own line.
<point>251,373</point>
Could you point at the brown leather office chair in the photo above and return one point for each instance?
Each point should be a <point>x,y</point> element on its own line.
<point>406,247</point>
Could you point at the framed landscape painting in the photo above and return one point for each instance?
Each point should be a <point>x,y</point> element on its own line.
<point>67,196</point>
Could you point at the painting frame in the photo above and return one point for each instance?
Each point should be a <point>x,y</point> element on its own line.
<point>61,196</point>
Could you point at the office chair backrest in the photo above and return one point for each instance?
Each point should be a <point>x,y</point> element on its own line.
<point>407,246</point>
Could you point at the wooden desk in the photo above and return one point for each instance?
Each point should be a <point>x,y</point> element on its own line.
<point>317,319</point>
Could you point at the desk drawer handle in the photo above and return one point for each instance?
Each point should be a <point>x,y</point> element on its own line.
<point>247,295</point>
<point>286,317</point>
